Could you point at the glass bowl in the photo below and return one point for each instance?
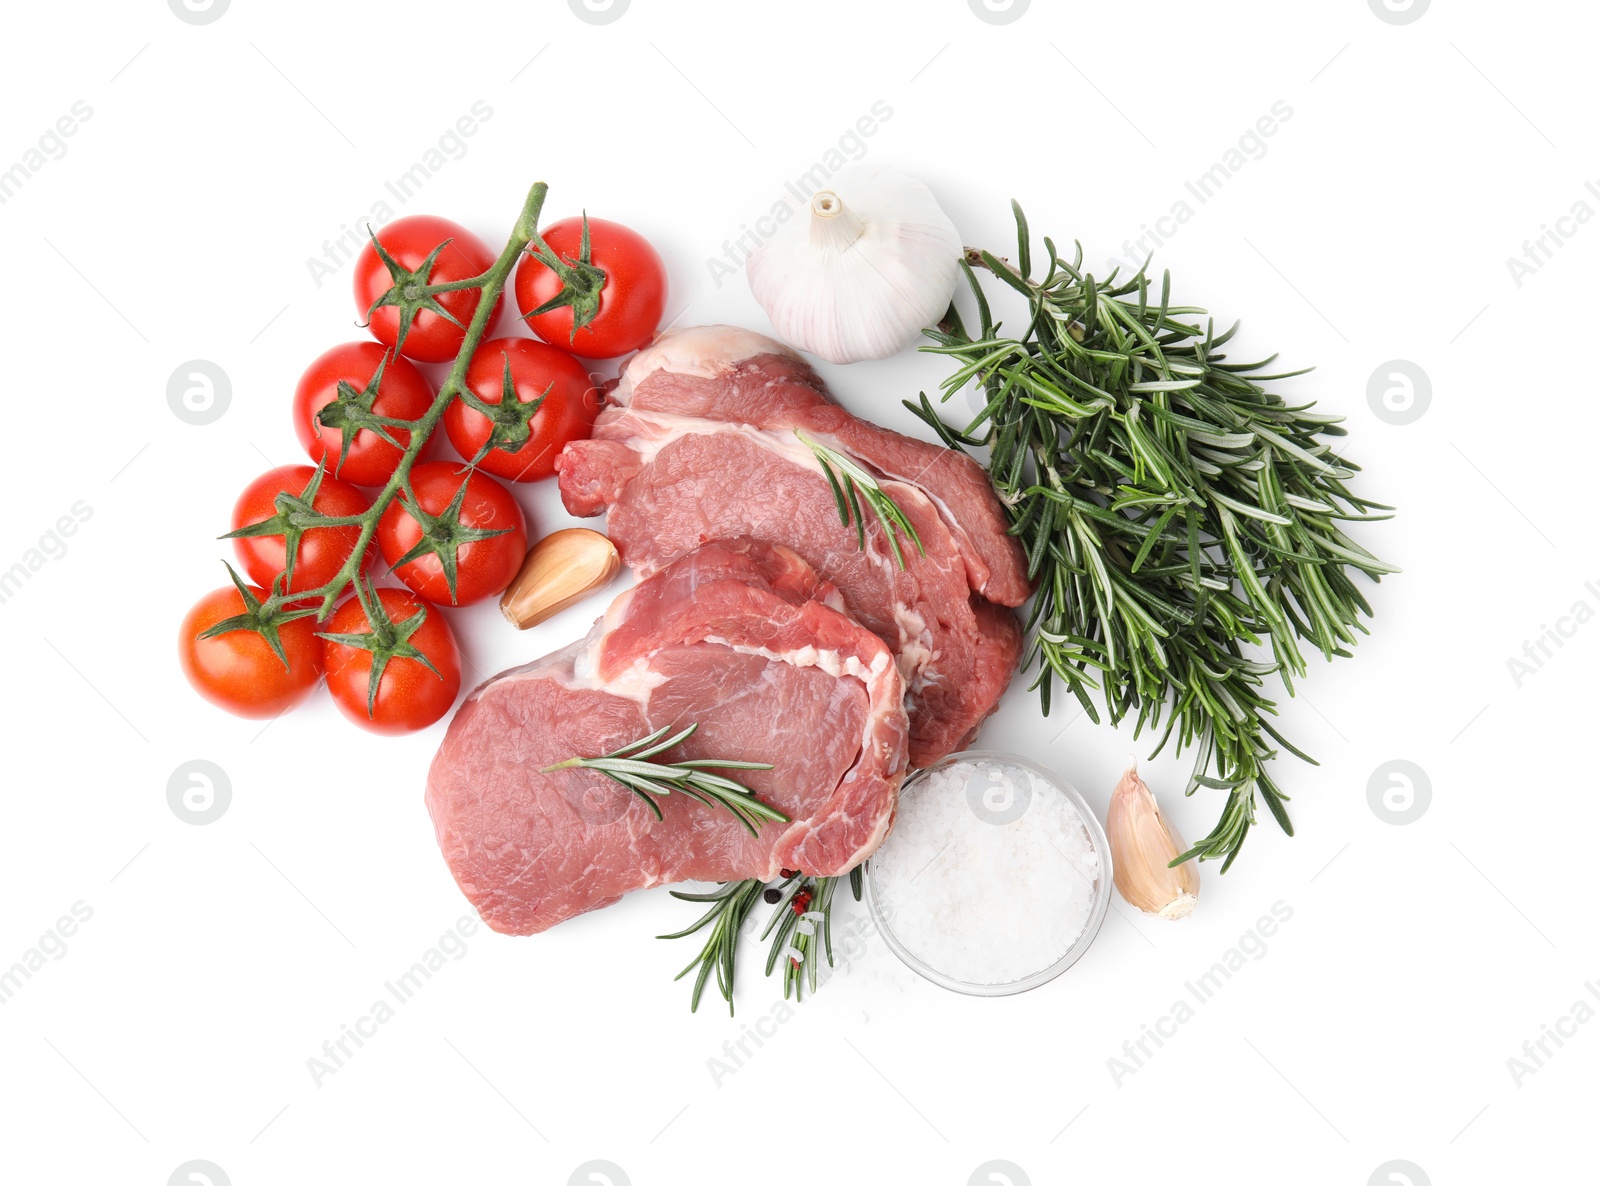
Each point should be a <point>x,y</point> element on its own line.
<point>1097,908</point>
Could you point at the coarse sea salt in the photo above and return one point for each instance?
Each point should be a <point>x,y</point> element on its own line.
<point>990,874</point>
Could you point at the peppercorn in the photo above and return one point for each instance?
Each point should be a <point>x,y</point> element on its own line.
<point>771,897</point>
<point>801,901</point>
<point>788,873</point>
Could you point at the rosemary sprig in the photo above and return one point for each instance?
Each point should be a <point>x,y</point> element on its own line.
<point>631,766</point>
<point>731,903</point>
<point>851,485</point>
<point>793,930</point>
<point>802,917</point>
<point>1182,524</point>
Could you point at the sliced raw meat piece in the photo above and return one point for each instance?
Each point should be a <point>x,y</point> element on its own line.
<point>700,444</point>
<point>740,637</point>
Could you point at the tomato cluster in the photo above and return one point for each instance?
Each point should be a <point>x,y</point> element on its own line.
<point>450,532</point>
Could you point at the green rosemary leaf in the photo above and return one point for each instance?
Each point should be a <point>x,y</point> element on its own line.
<point>1024,246</point>
<point>730,905</point>
<point>630,767</point>
<point>851,486</point>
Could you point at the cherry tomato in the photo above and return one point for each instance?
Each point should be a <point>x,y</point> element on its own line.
<point>631,303</point>
<point>401,394</point>
<point>484,567</point>
<point>322,551</point>
<point>568,411</point>
<point>409,241</point>
<point>410,696</point>
<point>238,671</point>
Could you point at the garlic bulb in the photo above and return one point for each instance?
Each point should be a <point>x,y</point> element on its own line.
<point>860,274</point>
<point>1143,845</point>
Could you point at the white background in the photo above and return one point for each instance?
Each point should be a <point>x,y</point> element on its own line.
<point>1376,226</point>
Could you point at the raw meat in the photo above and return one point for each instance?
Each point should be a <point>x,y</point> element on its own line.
<point>740,636</point>
<point>700,444</point>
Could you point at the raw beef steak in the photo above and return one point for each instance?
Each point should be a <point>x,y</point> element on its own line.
<point>699,443</point>
<point>742,638</point>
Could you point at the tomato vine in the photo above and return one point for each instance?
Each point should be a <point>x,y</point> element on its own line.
<point>411,293</point>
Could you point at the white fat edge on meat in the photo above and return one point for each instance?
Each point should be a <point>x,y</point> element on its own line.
<point>830,661</point>
<point>656,430</point>
<point>664,428</point>
<point>915,646</point>
<point>634,682</point>
<point>577,665</point>
<point>915,653</point>
<point>878,680</point>
<point>877,677</point>
<point>707,350</point>
<point>701,350</point>
<point>546,667</point>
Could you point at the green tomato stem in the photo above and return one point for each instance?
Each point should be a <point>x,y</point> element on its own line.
<point>491,284</point>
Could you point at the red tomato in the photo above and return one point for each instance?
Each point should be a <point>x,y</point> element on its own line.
<point>484,566</point>
<point>401,394</point>
<point>409,241</point>
<point>568,411</point>
<point>322,551</point>
<point>409,696</point>
<point>237,671</point>
<point>631,303</point>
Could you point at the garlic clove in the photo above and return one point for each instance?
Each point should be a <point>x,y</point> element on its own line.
<point>561,569</point>
<point>1143,845</point>
<point>862,270</point>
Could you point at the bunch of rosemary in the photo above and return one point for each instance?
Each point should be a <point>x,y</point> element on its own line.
<point>1182,524</point>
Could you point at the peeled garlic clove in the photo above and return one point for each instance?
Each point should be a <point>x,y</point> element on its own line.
<point>862,271</point>
<point>562,568</point>
<point>1143,845</point>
